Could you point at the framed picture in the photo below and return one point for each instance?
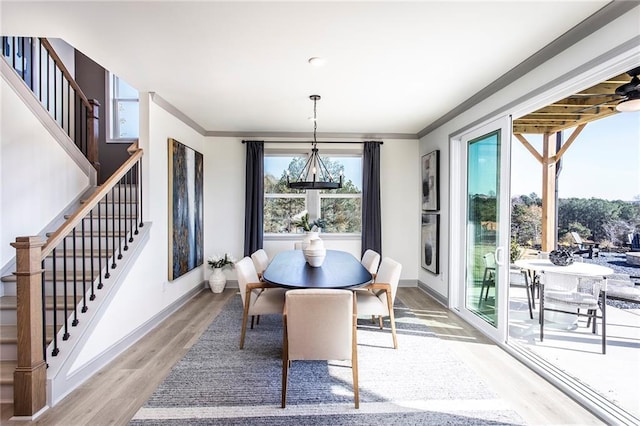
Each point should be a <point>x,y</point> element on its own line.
<point>185,209</point>
<point>430,240</point>
<point>431,181</point>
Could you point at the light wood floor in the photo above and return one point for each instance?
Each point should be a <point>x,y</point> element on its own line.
<point>114,394</point>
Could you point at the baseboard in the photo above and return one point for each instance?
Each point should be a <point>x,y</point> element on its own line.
<point>444,301</point>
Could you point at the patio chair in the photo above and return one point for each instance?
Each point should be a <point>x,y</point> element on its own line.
<point>571,294</point>
<point>489,275</point>
<point>585,246</point>
<point>521,278</point>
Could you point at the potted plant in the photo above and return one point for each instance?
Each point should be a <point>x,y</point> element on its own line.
<point>217,279</point>
<point>311,229</point>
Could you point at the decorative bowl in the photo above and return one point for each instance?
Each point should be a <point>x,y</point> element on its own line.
<point>561,257</point>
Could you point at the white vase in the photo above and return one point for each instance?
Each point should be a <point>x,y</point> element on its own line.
<point>308,236</point>
<point>315,252</point>
<point>217,280</point>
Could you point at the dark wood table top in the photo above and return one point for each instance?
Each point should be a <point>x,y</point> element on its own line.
<point>339,270</point>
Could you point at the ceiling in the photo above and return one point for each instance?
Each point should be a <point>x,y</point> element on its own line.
<point>240,67</point>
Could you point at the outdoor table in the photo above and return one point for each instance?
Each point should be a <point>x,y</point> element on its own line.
<point>580,269</point>
<point>340,269</point>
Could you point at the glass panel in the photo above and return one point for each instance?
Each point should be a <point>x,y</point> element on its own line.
<point>483,170</point>
<point>124,90</point>
<point>278,213</point>
<point>128,117</point>
<point>341,214</point>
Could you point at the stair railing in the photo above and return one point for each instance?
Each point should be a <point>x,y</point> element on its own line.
<point>120,199</point>
<point>40,67</point>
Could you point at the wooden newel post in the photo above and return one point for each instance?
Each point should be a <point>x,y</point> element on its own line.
<point>93,133</point>
<point>30,376</point>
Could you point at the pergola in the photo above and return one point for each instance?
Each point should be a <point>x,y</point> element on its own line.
<point>574,111</point>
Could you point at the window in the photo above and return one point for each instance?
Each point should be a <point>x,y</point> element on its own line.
<point>124,111</point>
<point>339,208</point>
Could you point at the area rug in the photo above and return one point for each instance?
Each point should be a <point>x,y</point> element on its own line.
<point>421,382</point>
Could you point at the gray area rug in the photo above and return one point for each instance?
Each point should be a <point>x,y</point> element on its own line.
<point>421,382</point>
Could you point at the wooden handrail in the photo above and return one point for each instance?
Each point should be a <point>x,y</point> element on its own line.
<point>93,201</point>
<point>65,72</point>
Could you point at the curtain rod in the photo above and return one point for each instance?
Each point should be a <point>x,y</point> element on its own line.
<point>341,142</point>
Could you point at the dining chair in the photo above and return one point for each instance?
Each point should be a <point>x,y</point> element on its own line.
<point>371,261</point>
<point>258,297</point>
<point>320,324</point>
<point>260,261</point>
<point>569,294</point>
<point>379,301</point>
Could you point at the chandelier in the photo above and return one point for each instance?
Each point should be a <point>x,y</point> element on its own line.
<point>315,174</point>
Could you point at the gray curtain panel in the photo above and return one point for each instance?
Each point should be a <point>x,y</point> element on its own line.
<point>371,217</point>
<point>254,197</point>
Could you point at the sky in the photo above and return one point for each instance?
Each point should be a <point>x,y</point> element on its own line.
<point>603,162</point>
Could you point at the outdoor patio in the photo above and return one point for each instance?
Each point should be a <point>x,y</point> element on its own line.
<point>577,352</point>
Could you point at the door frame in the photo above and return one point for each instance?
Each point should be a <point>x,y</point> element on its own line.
<point>458,208</point>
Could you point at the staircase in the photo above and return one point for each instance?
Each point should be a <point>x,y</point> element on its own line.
<point>76,271</point>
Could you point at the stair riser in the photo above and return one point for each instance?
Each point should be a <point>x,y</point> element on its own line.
<point>10,288</point>
<point>102,242</point>
<point>8,352</point>
<point>108,209</point>
<point>108,222</point>
<point>8,316</point>
<point>6,393</point>
<point>60,262</point>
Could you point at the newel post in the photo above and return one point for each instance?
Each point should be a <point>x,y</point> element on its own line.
<point>93,133</point>
<point>30,376</point>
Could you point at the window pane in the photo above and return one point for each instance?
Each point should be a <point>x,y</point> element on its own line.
<point>128,117</point>
<point>124,90</point>
<point>341,214</point>
<point>278,212</point>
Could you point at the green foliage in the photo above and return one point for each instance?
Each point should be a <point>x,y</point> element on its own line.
<point>514,250</point>
<point>337,215</point>
<point>593,218</point>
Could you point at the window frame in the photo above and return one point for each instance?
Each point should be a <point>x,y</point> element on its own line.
<point>111,110</point>
<point>313,198</point>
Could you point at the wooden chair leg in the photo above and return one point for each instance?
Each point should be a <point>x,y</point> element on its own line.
<point>252,319</point>
<point>392,320</point>
<point>245,317</point>
<point>380,322</point>
<point>354,355</point>
<point>285,365</point>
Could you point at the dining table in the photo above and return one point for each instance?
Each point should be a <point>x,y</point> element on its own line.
<point>339,270</point>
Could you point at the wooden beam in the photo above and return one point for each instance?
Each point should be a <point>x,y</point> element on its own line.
<point>569,141</point>
<point>529,147</point>
<point>548,193</point>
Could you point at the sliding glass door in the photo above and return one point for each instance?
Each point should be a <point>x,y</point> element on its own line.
<point>482,183</point>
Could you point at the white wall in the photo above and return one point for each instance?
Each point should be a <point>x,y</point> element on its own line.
<point>525,95</point>
<point>146,290</point>
<point>38,177</point>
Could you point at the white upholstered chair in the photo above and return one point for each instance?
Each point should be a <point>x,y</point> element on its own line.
<point>319,324</point>
<point>371,261</point>
<point>570,294</point>
<point>258,297</point>
<point>260,261</point>
<point>379,301</point>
